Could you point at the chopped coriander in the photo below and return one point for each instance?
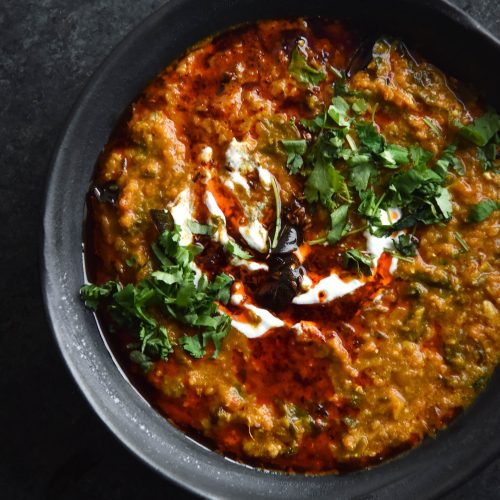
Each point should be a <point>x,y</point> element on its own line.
<point>406,245</point>
<point>481,130</point>
<point>448,158</point>
<point>323,182</point>
<point>295,148</point>
<point>339,224</point>
<point>338,110</point>
<point>419,156</point>
<point>461,241</point>
<point>93,294</point>
<point>171,291</point>
<point>361,261</point>
<point>197,228</point>
<point>302,71</point>
<point>487,157</point>
<point>142,360</point>
<point>234,249</point>
<point>193,345</point>
<point>369,137</point>
<point>360,106</point>
<point>482,210</point>
<point>360,175</point>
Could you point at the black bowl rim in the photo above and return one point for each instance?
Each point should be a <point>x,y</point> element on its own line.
<point>222,478</point>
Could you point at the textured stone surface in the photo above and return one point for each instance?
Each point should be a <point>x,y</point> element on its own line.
<point>52,446</point>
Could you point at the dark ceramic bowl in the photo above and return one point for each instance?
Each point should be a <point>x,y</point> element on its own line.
<point>447,37</point>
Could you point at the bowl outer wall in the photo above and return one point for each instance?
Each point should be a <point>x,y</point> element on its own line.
<point>433,468</point>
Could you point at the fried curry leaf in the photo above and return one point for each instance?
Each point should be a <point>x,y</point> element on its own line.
<point>482,210</point>
<point>302,71</point>
<point>361,262</point>
<point>481,130</point>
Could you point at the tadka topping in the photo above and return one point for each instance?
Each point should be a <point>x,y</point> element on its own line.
<point>294,240</point>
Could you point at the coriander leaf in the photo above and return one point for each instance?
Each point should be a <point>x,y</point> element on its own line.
<point>369,137</point>
<point>406,245</point>
<point>197,228</point>
<point>297,146</point>
<point>339,224</point>
<point>295,149</point>
<point>234,249</point>
<point>443,201</point>
<point>314,124</point>
<point>302,71</point>
<point>394,155</point>
<point>338,110</point>
<point>323,182</point>
<point>221,288</point>
<point>362,262</point>
<point>162,219</point>
<point>131,261</point>
<point>170,291</point>
<point>406,183</point>
<point>482,129</point>
<point>359,176</point>
<point>360,106</point>
<point>448,158</point>
<point>93,294</point>
<point>369,206</point>
<point>482,210</point>
<point>419,156</point>
<point>193,345</point>
<point>487,157</point>
<point>142,360</point>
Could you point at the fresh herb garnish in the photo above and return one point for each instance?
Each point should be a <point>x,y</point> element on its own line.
<point>436,129</point>
<point>482,210</point>
<point>406,245</point>
<point>234,249</point>
<point>361,261</point>
<point>302,71</point>
<point>338,111</point>
<point>172,291</point>
<point>197,228</point>
<point>481,130</point>
<point>448,158</point>
<point>295,148</point>
<point>360,106</point>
